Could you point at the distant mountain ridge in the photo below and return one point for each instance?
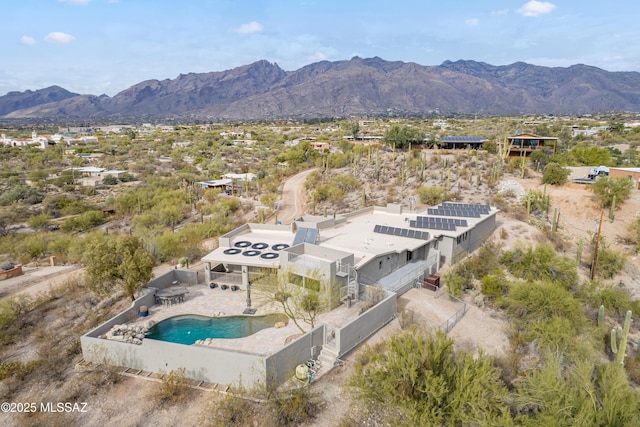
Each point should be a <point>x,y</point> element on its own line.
<point>372,86</point>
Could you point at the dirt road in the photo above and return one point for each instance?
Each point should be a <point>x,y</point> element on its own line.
<point>293,197</point>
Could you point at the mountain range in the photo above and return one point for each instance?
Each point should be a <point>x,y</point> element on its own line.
<point>356,87</point>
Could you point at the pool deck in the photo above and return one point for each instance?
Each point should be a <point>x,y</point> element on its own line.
<point>216,302</point>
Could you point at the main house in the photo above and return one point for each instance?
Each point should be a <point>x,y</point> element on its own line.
<point>374,245</point>
<point>381,246</point>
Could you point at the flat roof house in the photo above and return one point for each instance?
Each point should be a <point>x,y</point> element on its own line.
<point>461,142</point>
<point>375,245</point>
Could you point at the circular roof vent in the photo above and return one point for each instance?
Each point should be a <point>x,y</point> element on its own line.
<point>269,255</point>
<point>279,247</point>
<point>232,251</point>
<point>251,253</point>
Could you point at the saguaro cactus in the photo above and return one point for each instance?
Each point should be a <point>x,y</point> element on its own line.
<point>601,315</point>
<point>579,254</point>
<point>623,338</point>
<point>614,342</point>
<point>612,209</point>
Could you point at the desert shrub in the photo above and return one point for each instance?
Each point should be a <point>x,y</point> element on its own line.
<point>421,380</point>
<point>173,388</point>
<point>84,221</point>
<point>431,195</point>
<point>17,370</point>
<point>579,393</point>
<point>126,177</point>
<point>554,174</point>
<point>606,188</point>
<point>504,234</point>
<point>231,411</point>
<point>545,311</point>
<point>20,193</point>
<point>456,283</point>
<point>541,263</point>
<point>40,221</point>
<point>609,262</point>
<point>494,285</point>
<point>109,180</point>
<point>294,407</point>
<point>484,261</point>
<point>634,233</point>
<point>13,311</point>
<point>345,183</point>
<point>616,300</point>
<point>328,192</point>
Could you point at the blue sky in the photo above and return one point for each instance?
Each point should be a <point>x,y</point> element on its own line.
<point>105,46</point>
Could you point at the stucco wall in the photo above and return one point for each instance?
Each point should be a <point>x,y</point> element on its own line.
<point>365,325</point>
<point>200,363</point>
<point>281,365</point>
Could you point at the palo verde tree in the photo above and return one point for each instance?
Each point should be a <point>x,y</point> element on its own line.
<point>300,298</point>
<point>116,260</point>
<point>400,136</point>
<point>607,188</point>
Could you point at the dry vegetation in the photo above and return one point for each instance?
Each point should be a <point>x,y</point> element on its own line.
<point>39,337</point>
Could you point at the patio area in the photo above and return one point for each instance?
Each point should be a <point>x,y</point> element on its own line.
<point>202,300</point>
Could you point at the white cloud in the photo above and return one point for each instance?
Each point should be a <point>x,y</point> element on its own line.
<point>472,22</point>
<point>501,12</point>
<point>318,56</point>
<point>27,40</point>
<point>75,1</point>
<point>58,37</point>
<point>535,8</point>
<point>250,28</point>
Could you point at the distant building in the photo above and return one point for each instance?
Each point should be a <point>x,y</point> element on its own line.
<point>458,142</point>
<point>527,143</point>
<point>631,173</point>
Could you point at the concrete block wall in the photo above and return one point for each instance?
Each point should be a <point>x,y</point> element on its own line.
<point>358,330</point>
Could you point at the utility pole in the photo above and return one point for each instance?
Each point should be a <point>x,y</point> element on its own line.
<point>595,252</point>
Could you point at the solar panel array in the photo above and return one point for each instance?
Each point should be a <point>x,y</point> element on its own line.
<point>460,210</point>
<point>438,223</point>
<point>306,235</point>
<point>401,232</point>
<point>462,139</point>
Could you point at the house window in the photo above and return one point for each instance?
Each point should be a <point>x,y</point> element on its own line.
<point>380,265</point>
<point>409,256</point>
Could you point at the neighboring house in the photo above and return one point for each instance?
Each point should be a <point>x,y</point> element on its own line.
<point>223,184</point>
<point>240,177</point>
<point>631,173</point>
<point>457,142</point>
<point>527,143</point>
<point>589,132</point>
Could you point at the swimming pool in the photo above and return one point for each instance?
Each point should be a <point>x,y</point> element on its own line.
<point>187,329</point>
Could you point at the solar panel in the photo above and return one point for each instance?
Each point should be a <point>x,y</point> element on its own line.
<point>299,237</point>
<point>312,236</point>
<point>401,232</point>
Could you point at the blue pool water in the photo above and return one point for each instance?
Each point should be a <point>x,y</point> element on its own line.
<point>187,329</point>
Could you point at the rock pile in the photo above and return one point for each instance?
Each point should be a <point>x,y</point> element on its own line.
<point>511,188</point>
<point>133,334</point>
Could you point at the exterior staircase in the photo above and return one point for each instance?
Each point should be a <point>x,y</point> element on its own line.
<point>328,356</point>
<point>353,288</point>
